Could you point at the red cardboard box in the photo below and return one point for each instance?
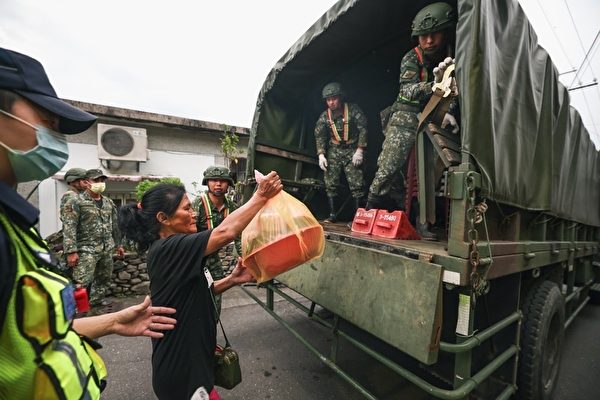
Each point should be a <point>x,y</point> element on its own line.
<point>394,225</point>
<point>363,220</point>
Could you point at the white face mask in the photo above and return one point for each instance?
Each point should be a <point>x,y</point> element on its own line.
<point>98,187</point>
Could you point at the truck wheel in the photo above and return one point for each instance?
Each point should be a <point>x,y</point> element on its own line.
<point>542,334</point>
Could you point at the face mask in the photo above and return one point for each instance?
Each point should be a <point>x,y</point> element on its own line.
<point>44,160</point>
<point>98,187</point>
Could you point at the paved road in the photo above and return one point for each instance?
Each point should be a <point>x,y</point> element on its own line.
<point>277,366</point>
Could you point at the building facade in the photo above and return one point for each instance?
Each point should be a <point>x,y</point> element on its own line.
<point>130,146</point>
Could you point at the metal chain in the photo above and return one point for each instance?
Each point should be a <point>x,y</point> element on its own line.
<point>475,215</point>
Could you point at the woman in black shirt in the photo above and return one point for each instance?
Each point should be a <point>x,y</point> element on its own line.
<point>165,224</point>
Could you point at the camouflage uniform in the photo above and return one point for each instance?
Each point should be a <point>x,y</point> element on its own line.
<point>416,81</point>
<point>92,231</point>
<point>69,195</point>
<point>214,261</point>
<point>339,155</point>
<point>72,175</point>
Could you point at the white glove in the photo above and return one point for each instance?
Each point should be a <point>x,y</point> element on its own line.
<point>357,158</point>
<point>322,162</point>
<point>438,72</point>
<point>450,120</point>
<point>453,87</point>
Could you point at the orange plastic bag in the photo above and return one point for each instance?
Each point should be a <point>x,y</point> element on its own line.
<point>281,236</point>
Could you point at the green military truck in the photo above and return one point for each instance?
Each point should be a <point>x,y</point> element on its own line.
<point>515,197</point>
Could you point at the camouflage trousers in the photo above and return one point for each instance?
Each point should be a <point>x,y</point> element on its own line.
<point>339,157</point>
<point>399,139</point>
<point>94,271</point>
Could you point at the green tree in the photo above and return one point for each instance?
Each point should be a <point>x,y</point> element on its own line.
<point>229,142</point>
<point>146,184</point>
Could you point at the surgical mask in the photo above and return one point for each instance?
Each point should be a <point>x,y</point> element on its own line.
<point>44,160</point>
<point>98,187</point>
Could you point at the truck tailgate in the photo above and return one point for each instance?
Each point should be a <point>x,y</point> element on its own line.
<point>396,298</point>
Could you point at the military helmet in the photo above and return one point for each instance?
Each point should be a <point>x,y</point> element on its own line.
<point>433,18</point>
<point>73,174</point>
<point>332,89</point>
<point>216,172</point>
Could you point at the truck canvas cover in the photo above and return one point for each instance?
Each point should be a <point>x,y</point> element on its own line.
<point>530,146</point>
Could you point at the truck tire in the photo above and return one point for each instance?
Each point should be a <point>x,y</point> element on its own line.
<point>542,335</point>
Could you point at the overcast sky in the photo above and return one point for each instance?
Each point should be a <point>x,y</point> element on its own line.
<point>207,59</point>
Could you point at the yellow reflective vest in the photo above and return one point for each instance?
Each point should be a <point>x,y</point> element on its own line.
<point>41,356</point>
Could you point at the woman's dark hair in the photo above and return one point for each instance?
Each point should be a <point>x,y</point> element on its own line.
<point>138,221</point>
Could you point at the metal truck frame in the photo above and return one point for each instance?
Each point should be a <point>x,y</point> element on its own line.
<point>482,312</point>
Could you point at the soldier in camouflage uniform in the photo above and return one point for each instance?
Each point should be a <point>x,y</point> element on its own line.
<point>341,134</point>
<point>74,178</point>
<point>91,233</point>
<point>432,28</point>
<point>211,209</point>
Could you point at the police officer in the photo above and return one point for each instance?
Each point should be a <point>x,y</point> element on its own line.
<point>432,27</point>
<point>212,207</point>
<point>41,351</point>
<point>91,234</point>
<point>341,136</point>
<point>74,178</point>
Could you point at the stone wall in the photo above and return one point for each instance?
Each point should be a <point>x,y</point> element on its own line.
<point>130,276</point>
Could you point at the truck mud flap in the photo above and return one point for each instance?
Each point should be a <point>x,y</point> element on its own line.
<point>396,298</point>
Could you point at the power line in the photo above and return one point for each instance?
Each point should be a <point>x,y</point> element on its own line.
<point>574,26</point>
<point>579,37</point>
<point>594,125</point>
<point>567,72</point>
<point>555,35</point>
<point>580,69</point>
<point>582,86</point>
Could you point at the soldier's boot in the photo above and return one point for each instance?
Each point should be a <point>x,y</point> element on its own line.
<point>359,202</point>
<point>424,230</point>
<point>375,202</point>
<point>332,217</point>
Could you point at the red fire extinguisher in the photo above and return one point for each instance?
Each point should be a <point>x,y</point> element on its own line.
<point>81,300</point>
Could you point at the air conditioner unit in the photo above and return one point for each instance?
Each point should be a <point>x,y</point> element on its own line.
<point>124,143</point>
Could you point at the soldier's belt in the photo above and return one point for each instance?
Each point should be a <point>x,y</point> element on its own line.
<point>338,143</point>
<point>405,107</point>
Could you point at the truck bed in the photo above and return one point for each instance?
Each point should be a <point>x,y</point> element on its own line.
<point>341,232</point>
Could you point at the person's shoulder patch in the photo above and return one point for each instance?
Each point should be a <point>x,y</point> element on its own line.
<point>408,74</point>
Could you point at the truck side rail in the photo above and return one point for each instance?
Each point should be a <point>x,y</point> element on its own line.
<point>461,392</point>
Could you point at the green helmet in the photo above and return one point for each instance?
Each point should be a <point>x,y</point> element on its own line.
<point>433,18</point>
<point>74,173</point>
<point>332,89</point>
<point>216,172</point>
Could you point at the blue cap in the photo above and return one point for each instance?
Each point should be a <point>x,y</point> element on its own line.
<point>26,76</point>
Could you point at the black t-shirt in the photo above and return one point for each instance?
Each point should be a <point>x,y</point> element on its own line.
<point>183,360</point>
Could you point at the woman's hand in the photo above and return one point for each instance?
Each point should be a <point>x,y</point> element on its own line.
<point>239,275</point>
<point>269,186</point>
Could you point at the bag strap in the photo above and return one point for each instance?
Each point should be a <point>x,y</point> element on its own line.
<point>207,209</point>
<point>218,317</point>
